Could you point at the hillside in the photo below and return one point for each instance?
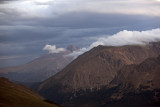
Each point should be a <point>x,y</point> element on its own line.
<point>94,70</point>
<point>16,95</point>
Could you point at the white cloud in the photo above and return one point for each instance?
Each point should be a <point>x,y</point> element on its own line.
<point>48,8</point>
<point>53,49</point>
<point>123,38</point>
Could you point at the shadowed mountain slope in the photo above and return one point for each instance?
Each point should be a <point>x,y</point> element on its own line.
<point>16,95</point>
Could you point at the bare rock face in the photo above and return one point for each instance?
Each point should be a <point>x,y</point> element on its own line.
<point>95,69</point>
<point>142,77</point>
<point>136,85</point>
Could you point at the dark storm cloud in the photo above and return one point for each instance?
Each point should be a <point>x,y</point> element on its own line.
<point>72,26</point>
<point>6,1</point>
<point>3,1</point>
<point>92,20</point>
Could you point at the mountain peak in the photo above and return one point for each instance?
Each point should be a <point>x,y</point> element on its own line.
<point>72,48</point>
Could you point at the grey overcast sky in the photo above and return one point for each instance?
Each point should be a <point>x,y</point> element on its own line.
<point>26,26</point>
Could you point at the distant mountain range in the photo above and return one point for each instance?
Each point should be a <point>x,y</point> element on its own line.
<point>40,68</point>
<point>16,95</point>
<point>108,76</point>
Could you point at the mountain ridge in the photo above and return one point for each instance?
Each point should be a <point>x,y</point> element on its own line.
<point>94,69</point>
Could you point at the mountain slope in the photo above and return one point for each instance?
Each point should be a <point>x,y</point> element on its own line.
<point>14,95</point>
<point>40,68</point>
<point>136,85</point>
<point>94,69</point>
<point>144,76</point>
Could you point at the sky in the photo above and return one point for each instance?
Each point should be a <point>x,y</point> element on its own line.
<point>30,28</point>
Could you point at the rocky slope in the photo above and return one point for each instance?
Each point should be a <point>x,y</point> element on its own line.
<point>40,68</point>
<point>136,85</point>
<point>144,76</point>
<point>94,70</point>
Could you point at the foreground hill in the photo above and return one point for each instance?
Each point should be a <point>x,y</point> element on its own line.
<point>40,68</point>
<point>93,70</point>
<point>14,95</point>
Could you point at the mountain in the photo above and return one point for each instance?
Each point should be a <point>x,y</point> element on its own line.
<point>72,48</point>
<point>16,95</point>
<point>93,70</point>
<point>136,85</point>
<point>40,68</point>
<point>144,76</point>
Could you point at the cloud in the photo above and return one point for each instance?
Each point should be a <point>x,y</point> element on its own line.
<point>6,1</point>
<point>53,49</point>
<point>123,38</point>
<point>54,8</point>
<point>44,2</point>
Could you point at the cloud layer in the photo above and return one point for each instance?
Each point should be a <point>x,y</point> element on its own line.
<point>53,49</point>
<point>26,26</point>
<point>124,38</point>
<point>46,8</point>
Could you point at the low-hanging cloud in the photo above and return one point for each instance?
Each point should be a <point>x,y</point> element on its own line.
<point>53,49</point>
<point>123,38</point>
